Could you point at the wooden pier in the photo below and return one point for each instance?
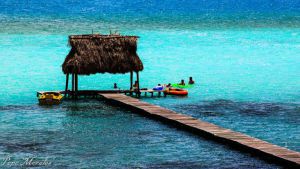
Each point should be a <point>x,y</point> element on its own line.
<point>95,93</point>
<point>263,149</point>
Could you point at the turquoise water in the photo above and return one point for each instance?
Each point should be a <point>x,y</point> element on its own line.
<point>244,59</point>
<point>91,134</point>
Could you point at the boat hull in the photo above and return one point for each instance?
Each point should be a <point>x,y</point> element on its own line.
<point>50,98</point>
<point>176,92</point>
<point>49,101</point>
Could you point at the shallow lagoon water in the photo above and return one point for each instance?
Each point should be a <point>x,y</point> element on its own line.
<point>93,134</point>
<point>245,67</point>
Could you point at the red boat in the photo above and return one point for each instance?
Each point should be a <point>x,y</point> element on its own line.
<point>177,92</point>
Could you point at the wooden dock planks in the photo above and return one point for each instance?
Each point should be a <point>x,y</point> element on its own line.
<point>87,93</point>
<point>264,149</point>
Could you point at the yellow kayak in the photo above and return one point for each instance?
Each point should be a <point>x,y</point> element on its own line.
<point>50,98</point>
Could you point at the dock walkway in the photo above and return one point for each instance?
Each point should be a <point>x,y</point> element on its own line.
<point>263,149</point>
<point>94,93</point>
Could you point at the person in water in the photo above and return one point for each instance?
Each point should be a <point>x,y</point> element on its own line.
<point>182,82</point>
<point>191,81</point>
<point>115,86</point>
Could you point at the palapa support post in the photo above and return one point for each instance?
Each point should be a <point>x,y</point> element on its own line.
<point>131,79</point>
<point>76,85</point>
<point>138,84</point>
<point>73,85</point>
<point>131,82</point>
<point>67,84</point>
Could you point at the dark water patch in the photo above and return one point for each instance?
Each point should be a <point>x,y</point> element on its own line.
<point>27,140</point>
<point>224,107</point>
<point>90,114</point>
<point>85,104</point>
<point>210,113</point>
<point>199,164</point>
<point>142,133</point>
<point>213,108</point>
<point>23,147</point>
<point>173,165</point>
<point>90,111</point>
<point>261,108</point>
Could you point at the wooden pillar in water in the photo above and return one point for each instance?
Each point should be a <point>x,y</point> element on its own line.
<point>76,85</point>
<point>67,84</point>
<point>138,83</point>
<point>73,85</point>
<point>131,79</point>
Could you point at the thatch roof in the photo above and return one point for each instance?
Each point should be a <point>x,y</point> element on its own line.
<point>96,53</point>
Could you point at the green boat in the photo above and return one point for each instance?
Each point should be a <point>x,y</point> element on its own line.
<point>182,86</point>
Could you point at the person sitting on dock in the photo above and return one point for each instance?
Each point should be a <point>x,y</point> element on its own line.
<point>159,87</point>
<point>115,86</point>
<point>191,81</point>
<point>182,83</point>
<point>135,85</point>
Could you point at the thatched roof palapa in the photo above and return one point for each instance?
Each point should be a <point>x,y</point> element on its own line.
<point>96,53</point>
